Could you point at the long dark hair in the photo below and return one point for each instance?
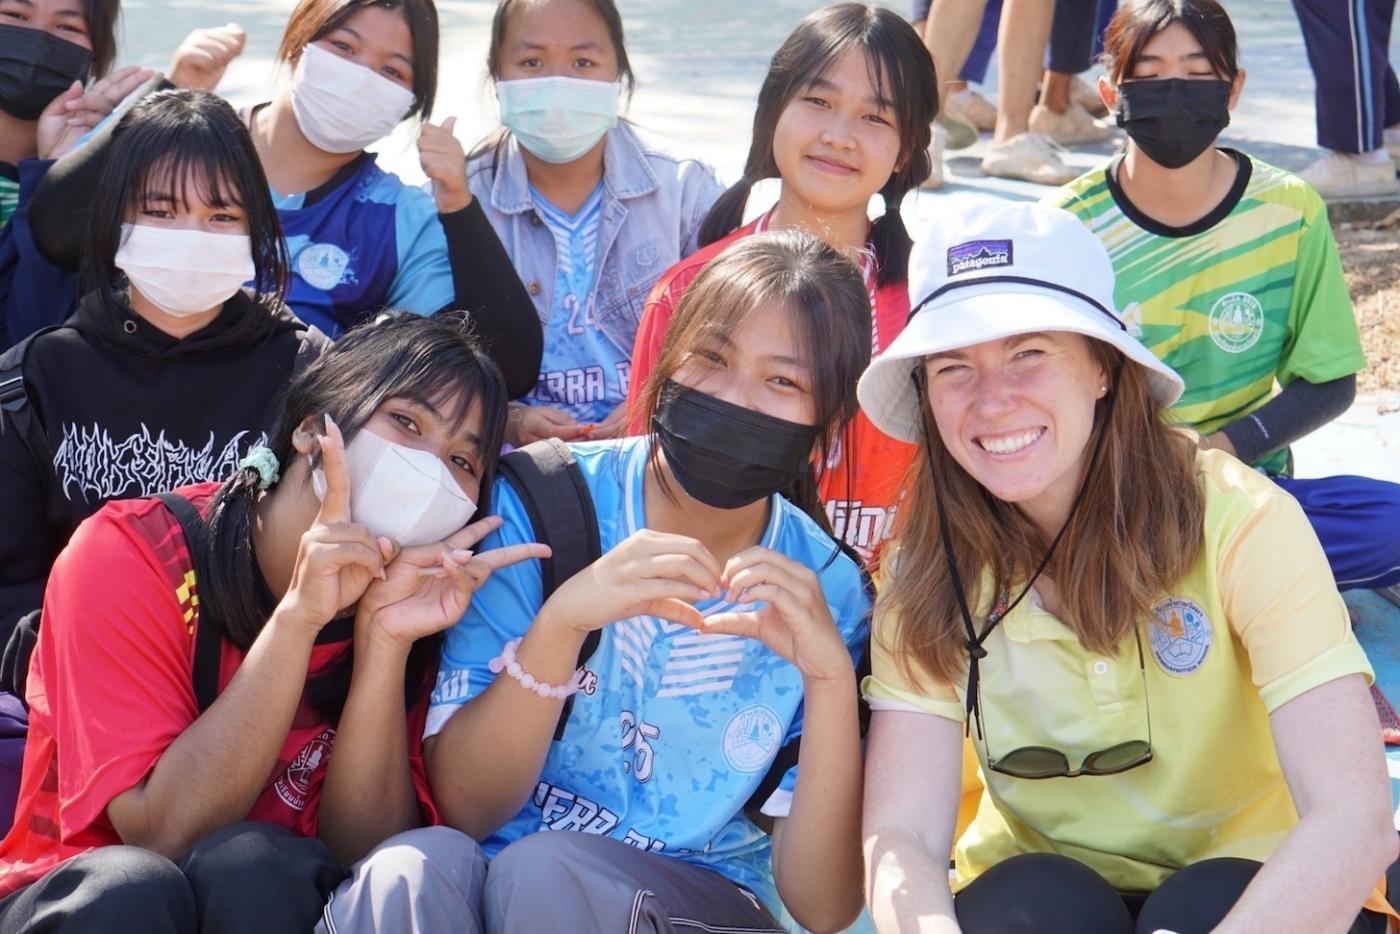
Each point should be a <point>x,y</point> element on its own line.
<point>167,143</point>
<point>314,19</point>
<point>395,355</point>
<point>612,19</point>
<point>902,72</point>
<point>100,18</point>
<point>825,294</point>
<point>1137,21</point>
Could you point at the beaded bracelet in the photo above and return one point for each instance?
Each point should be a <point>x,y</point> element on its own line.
<point>506,662</point>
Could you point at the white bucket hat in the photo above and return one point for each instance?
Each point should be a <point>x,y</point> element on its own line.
<point>991,271</point>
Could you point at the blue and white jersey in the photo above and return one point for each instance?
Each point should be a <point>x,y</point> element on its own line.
<point>370,243</point>
<point>582,371</point>
<point>674,729</point>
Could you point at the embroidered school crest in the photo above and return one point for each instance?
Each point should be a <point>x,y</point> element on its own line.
<point>1181,636</point>
<point>752,738</point>
<point>1236,321</point>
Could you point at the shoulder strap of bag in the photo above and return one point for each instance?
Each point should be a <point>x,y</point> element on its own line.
<point>14,401</point>
<point>16,409</point>
<point>207,641</point>
<point>788,755</point>
<point>557,501</point>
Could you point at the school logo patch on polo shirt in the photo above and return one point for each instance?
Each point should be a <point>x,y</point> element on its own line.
<point>1181,636</point>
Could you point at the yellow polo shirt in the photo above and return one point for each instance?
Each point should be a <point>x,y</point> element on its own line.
<point>1257,622</point>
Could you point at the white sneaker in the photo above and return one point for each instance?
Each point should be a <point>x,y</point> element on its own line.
<point>972,108</point>
<point>1030,157</point>
<point>1086,94</point>
<point>1343,175</point>
<point>958,133</point>
<point>935,157</point>
<point>1391,136</point>
<point>1072,127</point>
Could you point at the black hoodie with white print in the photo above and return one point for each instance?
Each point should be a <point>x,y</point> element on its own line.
<point>129,412</point>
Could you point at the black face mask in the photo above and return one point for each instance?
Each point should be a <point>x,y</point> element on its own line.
<point>725,455</point>
<point>36,67</point>
<point>1173,120</point>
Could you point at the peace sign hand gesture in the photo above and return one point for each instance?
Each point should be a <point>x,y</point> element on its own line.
<point>427,588</point>
<point>337,558</point>
<point>792,619</point>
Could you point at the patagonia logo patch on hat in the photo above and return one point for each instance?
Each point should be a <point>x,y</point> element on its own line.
<point>978,254</point>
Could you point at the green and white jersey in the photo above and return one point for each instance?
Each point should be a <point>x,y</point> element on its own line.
<point>1249,297</point>
<point>9,195</point>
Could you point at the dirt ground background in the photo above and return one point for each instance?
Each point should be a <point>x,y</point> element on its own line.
<point>1371,259</point>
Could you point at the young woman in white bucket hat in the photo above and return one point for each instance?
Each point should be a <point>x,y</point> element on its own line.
<point>1142,637</point>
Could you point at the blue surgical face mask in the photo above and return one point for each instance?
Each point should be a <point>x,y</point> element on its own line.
<point>558,119</point>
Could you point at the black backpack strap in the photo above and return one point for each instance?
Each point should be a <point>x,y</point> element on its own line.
<point>15,408</point>
<point>787,756</point>
<point>14,402</point>
<point>207,641</point>
<point>560,508</point>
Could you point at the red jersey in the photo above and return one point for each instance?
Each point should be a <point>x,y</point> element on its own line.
<point>110,688</point>
<point>861,495</point>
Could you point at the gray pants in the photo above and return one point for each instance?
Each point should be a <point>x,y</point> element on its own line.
<point>436,879</point>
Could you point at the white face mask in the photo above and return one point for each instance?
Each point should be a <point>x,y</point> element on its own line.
<point>184,272</point>
<point>558,118</point>
<point>400,492</point>
<point>341,106</point>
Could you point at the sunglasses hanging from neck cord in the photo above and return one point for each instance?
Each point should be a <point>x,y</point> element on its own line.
<point>975,640</point>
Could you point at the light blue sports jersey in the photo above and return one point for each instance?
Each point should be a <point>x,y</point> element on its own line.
<point>674,729</point>
<point>581,372</point>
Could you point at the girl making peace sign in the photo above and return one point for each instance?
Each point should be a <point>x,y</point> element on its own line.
<point>320,568</point>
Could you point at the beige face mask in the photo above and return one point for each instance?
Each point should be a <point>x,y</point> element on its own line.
<point>184,272</point>
<point>341,106</point>
<point>400,492</point>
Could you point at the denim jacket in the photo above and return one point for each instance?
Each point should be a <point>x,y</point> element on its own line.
<point>653,203</point>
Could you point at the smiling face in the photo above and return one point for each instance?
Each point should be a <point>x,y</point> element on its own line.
<point>62,18</point>
<point>836,142</point>
<point>557,38</point>
<point>377,38</point>
<point>1017,415</point>
<point>758,364</point>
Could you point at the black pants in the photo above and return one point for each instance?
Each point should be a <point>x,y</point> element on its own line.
<point>1358,96</point>
<point>1044,893</point>
<point>1074,28</point>
<point>243,878</point>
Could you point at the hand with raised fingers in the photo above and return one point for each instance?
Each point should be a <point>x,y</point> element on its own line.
<point>200,61</point>
<point>427,588</point>
<point>444,161</point>
<point>337,559</point>
<point>527,423</point>
<point>791,617</point>
<point>78,109</point>
<point>651,573</point>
